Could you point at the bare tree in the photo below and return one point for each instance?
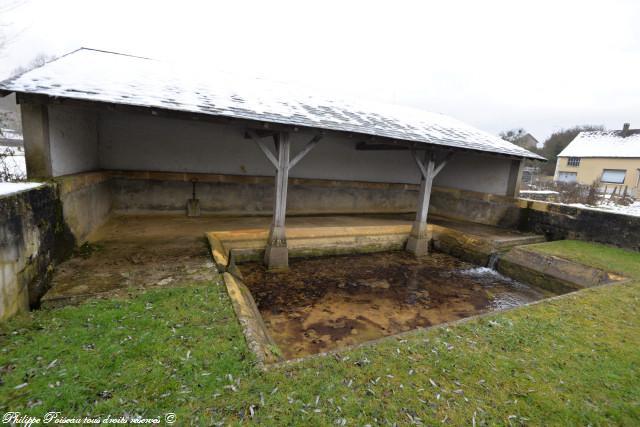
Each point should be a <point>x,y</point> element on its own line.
<point>38,61</point>
<point>11,157</point>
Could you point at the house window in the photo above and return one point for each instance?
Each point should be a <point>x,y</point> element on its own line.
<point>573,161</point>
<point>567,176</point>
<point>613,176</point>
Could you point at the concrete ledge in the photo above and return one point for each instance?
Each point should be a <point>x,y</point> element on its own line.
<point>552,273</point>
<point>461,245</point>
<point>250,244</point>
<point>477,248</point>
<point>70,183</point>
<point>255,331</point>
<point>219,253</point>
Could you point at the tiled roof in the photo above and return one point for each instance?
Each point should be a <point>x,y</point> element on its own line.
<point>92,75</point>
<point>604,144</point>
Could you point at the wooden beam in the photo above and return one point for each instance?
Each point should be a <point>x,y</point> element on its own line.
<point>423,170</point>
<point>425,189</point>
<point>276,254</point>
<point>305,150</point>
<point>269,155</point>
<point>379,146</point>
<point>283,143</point>
<point>260,133</point>
<point>418,242</point>
<point>443,163</point>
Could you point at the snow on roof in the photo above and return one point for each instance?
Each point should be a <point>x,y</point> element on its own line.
<point>603,144</point>
<point>94,75</point>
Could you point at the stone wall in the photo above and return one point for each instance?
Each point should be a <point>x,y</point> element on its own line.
<point>483,208</point>
<point>148,192</point>
<point>566,222</point>
<point>158,192</point>
<point>33,237</point>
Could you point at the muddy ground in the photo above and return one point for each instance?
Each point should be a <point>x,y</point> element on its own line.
<point>327,303</point>
<point>134,252</point>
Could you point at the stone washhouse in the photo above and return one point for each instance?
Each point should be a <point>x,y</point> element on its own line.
<point>129,135</point>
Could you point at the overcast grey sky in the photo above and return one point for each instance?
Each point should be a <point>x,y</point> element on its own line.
<point>542,65</point>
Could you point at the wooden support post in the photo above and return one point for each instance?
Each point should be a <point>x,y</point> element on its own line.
<point>418,243</point>
<point>276,255</point>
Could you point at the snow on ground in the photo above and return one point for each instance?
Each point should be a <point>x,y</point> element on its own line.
<point>14,187</point>
<point>12,162</point>
<point>549,192</point>
<point>633,209</point>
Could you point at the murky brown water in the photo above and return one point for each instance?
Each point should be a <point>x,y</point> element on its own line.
<point>325,303</point>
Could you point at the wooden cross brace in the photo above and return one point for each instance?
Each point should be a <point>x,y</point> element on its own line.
<point>272,158</point>
<point>431,157</point>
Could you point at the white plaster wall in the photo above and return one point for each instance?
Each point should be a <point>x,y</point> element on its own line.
<point>73,139</point>
<point>145,142</point>
<point>476,172</point>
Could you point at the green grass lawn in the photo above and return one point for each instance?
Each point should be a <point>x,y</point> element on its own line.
<point>568,361</point>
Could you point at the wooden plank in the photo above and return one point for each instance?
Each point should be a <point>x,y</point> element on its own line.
<point>423,170</point>
<point>443,163</point>
<point>282,178</point>
<point>305,150</point>
<point>264,148</point>
<point>425,189</point>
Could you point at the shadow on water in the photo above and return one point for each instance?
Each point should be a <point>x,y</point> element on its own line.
<point>326,303</point>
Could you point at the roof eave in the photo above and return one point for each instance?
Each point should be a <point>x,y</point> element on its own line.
<point>264,124</point>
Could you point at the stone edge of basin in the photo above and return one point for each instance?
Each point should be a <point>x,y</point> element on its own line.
<point>475,248</point>
<point>255,331</point>
<point>218,252</point>
<point>305,243</point>
<point>547,272</point>
<point>552,273</point>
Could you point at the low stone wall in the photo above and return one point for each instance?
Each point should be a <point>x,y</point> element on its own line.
<point>33,237</point>
<point>144,192</point>
<point>86,201</point>
<point>559,222</point>
<point>483,208</point>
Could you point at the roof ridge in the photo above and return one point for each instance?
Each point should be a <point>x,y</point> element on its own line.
<point>11,78</point>
<point>110,52</point>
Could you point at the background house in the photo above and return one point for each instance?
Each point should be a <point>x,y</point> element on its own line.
<point>611,158</point>
<point>527,141</point>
